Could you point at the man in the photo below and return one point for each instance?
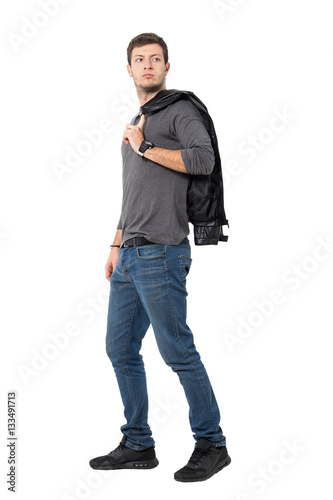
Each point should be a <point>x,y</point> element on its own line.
<point>148,264</point>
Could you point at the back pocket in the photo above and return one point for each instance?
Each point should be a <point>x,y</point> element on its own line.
<point>185,263</point>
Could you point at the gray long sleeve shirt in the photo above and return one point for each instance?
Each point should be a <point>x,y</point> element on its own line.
<point>154,197</point>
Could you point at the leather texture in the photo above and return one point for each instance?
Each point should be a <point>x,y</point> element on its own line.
<point>205,197</point>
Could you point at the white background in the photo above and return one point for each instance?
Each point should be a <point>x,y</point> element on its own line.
<point>247,60</point>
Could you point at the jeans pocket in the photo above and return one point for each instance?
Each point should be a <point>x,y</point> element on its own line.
<point>185,263</point>
<point>151,251</point>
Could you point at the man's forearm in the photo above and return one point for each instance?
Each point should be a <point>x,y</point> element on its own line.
<point>168,158</point>
<point>117,238</point>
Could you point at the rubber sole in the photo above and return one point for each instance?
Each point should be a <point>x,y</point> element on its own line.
<point>139,465</point>
<point>219,466</point>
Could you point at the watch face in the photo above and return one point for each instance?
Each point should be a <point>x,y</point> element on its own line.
<point>149,144</point>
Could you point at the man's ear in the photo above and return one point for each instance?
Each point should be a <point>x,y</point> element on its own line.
<point>129,70</point>
<point>167,67</point>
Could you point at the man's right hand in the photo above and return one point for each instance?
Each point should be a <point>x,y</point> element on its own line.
<point>111,262</point>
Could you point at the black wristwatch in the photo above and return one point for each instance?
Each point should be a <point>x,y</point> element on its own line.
<point>144,146</point>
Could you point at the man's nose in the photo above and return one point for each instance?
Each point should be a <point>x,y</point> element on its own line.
<point>148,64</point>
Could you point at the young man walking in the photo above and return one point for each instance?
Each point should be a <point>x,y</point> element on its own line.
<point>164,145</point>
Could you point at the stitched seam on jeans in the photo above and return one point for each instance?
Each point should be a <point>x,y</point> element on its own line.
<point>174,322</point>
<point>187,353</point>
<point>206,394</point>
<point>182,269</point>
<point>127,369</point>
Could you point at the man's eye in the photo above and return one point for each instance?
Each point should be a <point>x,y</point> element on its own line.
<point>139,59</point>
<point>156,59</point>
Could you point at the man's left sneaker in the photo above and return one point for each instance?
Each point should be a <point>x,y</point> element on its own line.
<point>205,461</point>
<point>126,458</point>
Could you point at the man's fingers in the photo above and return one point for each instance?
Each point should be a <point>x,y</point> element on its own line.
<point>142,121</point>
<point>133,134</point>
<point>140,125</point>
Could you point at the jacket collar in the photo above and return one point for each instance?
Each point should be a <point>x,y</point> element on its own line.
<point>166,97</point>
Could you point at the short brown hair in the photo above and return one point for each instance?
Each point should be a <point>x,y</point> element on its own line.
<point>147,39</point>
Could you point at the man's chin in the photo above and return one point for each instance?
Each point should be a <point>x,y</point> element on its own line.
<point>150,86</point>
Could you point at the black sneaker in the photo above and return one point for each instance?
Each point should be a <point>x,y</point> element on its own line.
<point>126,458</point>
<point>205,461</point>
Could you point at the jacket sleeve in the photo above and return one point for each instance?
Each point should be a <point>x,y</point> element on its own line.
<point>196,146</point>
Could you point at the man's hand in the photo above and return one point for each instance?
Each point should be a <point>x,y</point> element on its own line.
<point>111,262</point>
<point>134,135</point>
<point>168,158</point>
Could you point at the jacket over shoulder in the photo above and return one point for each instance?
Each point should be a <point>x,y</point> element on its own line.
<point>205,197</point>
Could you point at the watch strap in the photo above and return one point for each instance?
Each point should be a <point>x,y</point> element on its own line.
<point>144,146</point>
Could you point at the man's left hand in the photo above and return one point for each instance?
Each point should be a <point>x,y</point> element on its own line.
<point>133,134</point>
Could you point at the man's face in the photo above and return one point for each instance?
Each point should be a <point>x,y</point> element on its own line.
<point>148,68</point>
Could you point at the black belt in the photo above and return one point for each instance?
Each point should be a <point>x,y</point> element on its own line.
<point>140,240</point>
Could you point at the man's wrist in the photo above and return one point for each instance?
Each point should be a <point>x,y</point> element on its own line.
<point>144,146</point>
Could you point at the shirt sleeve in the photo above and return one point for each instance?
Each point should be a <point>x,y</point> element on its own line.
<point>196,145</point>
<point>120,225</point>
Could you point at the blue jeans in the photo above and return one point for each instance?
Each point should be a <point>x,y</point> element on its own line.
<point>148,286</point>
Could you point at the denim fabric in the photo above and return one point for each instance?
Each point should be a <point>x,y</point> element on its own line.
<point>148,286</point>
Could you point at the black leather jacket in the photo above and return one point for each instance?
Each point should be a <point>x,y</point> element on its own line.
<point>205,201</point>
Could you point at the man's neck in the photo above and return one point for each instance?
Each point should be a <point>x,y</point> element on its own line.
<point>147,96</point>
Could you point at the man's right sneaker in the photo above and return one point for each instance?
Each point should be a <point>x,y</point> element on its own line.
<point>205,461</point>
<point>126,458</point>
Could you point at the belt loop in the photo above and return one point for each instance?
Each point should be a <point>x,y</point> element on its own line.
<point>134,244</point>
